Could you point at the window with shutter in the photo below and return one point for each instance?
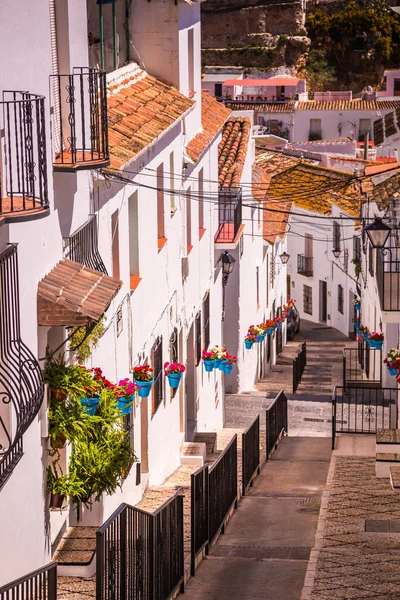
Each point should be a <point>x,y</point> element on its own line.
<point>157,363</point>
<point>197,355</point>
<point>206,321</point>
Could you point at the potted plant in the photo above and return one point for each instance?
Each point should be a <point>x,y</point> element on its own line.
<point>375,340</point>
<point>271,325</point>
<point>278,320</point>
<point>223,362</point>
<point>174,372</point>
<point>54,375</point>
<point>249,340</point>
<point>60,485</point>
<point>211,358</point>
<point>392,361</point>
<point>125,395</point>
<point>356,303</point>
<point>258,332</point>
<point>231,360</point>
<point>144,379</point>
<point>288,307</point>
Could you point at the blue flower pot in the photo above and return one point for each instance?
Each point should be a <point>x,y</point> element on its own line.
<point>392,372</point>
<point>174,379</point>
<point>356,325</point>
<point>208,365</point>
<point>371,343</point>
<point>270,331</point>
<point>222,365</point>
<point>145,387</point>
<point>125,404</point>
<point>357,305</point>
<point>217,362</point>
<point>366,337</point>
<point>228,368</point>
<point>248,345</point>
<point>259,339</point>
<point>378,344</point>
<point>90,404</point>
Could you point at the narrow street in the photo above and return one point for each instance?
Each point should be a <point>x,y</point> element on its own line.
<point>266,547</point>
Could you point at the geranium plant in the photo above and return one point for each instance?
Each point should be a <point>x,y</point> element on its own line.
<point>212,354</point>
<point>250,337</point>
<point>125,389</point>
<point>375,336</point>
<point>279,319</point>
<point>356,301</point>
<point>232,360</point>
<point>392,356</point>
<point>270,323</point>
<point>174,368</point>
<point>289,304</point>
<point>143,373</point>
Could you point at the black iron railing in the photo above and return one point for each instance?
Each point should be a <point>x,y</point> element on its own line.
<point>80,120</point>
<point>21,383</point>
<point>223,492</point>
<point>299,364</point>
<point>363,410</point>
<point>82,246</point>
<point>362,364</point>
<point>199,514</point>
<point>250,454</point>
<point>276,422</point>
<point>38,585</point>
<point>23,148</point>
<point>305,265</point>
<point>229,213</point>
<point>140,555</point>
<point>388,278</point>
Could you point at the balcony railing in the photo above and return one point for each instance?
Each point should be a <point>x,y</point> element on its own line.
<point>305,265</point>
<point>388,278</point>
<point>21,383</point>
<point>80,120</point>
<point>82,246</point>
<point>229,214</point>
<point>23,184</point>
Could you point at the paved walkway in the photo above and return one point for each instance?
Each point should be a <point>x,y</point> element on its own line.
<point>267,543</point>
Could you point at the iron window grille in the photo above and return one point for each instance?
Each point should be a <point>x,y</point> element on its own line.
<point>158,373</point>
<point>371,260</point>
<point>82,246</point>
<point>173,346</point>
<point>340,299</point>
<point>21,383</point>
<point>23,146</point>
<point>346,260</point>
<point>273,269</point>
<point>197,325</point>
<point>229,213</point>
<point>336,236</point>
<point>206,321</point>
<point>307,299</point>
<point>356,248</point>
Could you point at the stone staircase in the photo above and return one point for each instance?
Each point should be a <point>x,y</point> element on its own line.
<point>387,460</point>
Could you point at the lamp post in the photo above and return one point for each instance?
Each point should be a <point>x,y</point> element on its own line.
<point>336,252</point>
<point>228,262</point>
<point>284,257</point>
<point>378,232</point>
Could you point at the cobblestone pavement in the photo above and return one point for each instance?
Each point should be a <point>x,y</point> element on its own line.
<point>352,563</point>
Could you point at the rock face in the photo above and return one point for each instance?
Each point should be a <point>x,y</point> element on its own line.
<point>263,34</point>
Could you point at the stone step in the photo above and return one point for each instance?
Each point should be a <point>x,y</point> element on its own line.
<point>384,462</point>
<point>395,478</point>
<point>193,453</point>
<point>207,438</point>
<point>77,546</point>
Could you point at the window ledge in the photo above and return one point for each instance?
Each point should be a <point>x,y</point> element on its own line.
<point>134,282</point>
<point>201,232</point>
<point>161,242</point>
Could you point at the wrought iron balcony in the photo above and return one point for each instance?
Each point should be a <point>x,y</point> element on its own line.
<point>305,265</point>
<point>80,129</point>
<point>82,246</point>
<point>388,278</point>
<point>21,383</point>
<point>23,168</point>
<point>229,214</point>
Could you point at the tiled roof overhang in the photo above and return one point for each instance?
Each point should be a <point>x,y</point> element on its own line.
<point>73,294</point>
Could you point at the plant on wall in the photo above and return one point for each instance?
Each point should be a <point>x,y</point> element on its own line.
<point>82,343</point>
<point>357,267</point>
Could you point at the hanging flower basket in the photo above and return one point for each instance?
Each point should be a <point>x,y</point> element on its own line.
<point>174,372</point>
<point>125,394</point>
<point>211,358</point>
<point>392,361</point>
<point>249,340</point>
<point>230,361</point>
<point>125,404</point>
<point>222,364</point>
<point>228,368</point>
<point>392,370</point>
<point>90,404</point>
<point>144,388</point>
<point>375,340</point>
<point>208,365</point>
<point>143,376</point>
<point>56,501</point>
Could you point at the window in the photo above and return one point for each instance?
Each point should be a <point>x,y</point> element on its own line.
<point>218,90</point>
<point>307,299</point>
<point>197,325</point>
<point>396,87</point>
<point>356,248</point>
<point>201,203</point>
<point>273,268</point>
<point>157,364</point>
<point>206,321</point>
<point>340,299</point>
<point>315,130</point>
<point>133,216</point>
<point>258,286</point>
<point>172,182</point>
<point>364,127</point>
<point>371,260</point>
<point>188,222</point>
<point>160,203</point>
<point>267,279</point>
<point>115,244</point>
<point>308,245</point>
<point>173,346</point>
<point>336,236</point>
<point>191,61</point>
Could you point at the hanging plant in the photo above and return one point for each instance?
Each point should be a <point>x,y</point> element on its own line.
<point>144,379</point>
<point>174,372</point>
<point>83,343</point>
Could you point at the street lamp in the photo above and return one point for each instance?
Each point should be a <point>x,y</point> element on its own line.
<point>284,257</point>
<point>228,262</point>
<point>378,233</point>
<point>336,252</point>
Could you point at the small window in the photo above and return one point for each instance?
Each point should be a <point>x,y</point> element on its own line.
<point>157,363</point>
<point>273,269</point>
<point>308,245</point>
<point>315,130</point>
<point>336,236</point>
<point>218,90</point>
<point>173,346</point>
<point>267,279</point>
<point>340,299</point>
<point>356,248</point>
<point>172,182</point>
<point>206,321</point>
<point>371,260</point>
<point>201,202</point>
<point>364,127</point>
<point>197,355</point>
<point>115,244</point>
<point>133,217</point>
<point>160,202</point>
<point>396,87</point>
<point>307,299</point>
<point>258,286</point>
<point>188,222</point>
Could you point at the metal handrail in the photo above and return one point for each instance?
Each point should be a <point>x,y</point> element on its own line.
<point>41,583</point>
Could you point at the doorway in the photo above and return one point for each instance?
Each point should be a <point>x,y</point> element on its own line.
<point>190,387</point>
<point>323,301</point>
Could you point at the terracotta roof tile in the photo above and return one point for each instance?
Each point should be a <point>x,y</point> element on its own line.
<point>139,113</point>
<point>232,151</point>
<point>381,188</point>
<point>268,107</point>
<point>213,116</point>
<point>348,105</point>
<point>275,223</point>
<point>260,182</point>
<point>73,294</point>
